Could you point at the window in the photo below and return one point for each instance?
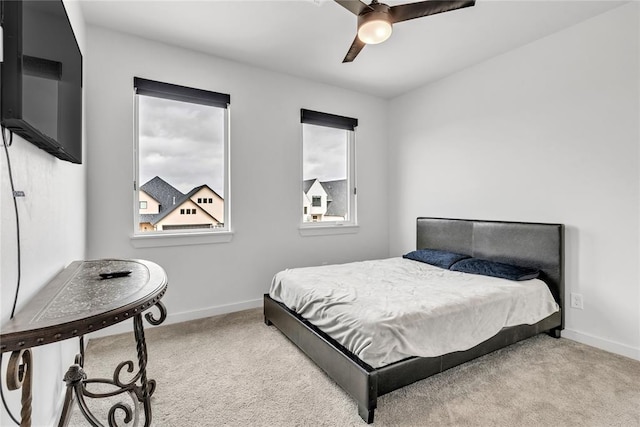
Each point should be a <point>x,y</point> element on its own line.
<point>143,204</point>
<point>182,147</point>
<point>328,169</point>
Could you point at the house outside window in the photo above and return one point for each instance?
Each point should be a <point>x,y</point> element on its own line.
<point>328,169</point>
<point>182,147</point>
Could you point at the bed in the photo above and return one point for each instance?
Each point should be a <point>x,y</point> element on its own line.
<point>534,245</point>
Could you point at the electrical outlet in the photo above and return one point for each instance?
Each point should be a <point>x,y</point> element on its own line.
<point>576,301</point>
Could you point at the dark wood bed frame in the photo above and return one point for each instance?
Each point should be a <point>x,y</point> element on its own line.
<point>526,244</point>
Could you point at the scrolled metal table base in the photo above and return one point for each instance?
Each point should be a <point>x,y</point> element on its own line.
<point>139,389</point>
<point>19,374</point>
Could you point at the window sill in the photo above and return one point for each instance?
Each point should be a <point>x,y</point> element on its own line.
<point>327,230</point>
<point>183,239</point>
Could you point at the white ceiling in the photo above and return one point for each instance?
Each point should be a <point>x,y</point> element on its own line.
<point>309,38</point>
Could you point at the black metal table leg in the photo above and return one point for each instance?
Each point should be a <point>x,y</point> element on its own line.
<point>144,395</point>
<point>141,393</point>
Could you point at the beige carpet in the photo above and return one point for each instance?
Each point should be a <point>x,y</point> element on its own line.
<point>233,370</point>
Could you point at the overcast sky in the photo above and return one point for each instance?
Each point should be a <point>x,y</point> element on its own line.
<point>181,143</point>
<point>324,153</point>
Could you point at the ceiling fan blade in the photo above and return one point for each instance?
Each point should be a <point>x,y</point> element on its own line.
<point>404,12</point>
<point>354,50</point>
<point>354,6</point>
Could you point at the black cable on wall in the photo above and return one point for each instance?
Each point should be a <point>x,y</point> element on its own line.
<point>15,195</point>
<point>15,206</point>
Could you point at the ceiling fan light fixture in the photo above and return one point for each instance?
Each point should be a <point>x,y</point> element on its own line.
<point>375,20</point>
<point>374,28</point>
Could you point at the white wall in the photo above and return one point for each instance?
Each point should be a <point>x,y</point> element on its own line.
<point>547,133</point>
<point>53,234</point>
<point>265,172</point>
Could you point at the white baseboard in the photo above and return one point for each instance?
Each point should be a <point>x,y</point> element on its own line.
<point>603,344</point>
<point>126,326</point>
<point>212,311</point>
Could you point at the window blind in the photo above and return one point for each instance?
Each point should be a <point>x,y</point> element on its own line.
<point>180,93</point>
<point>326,119</point>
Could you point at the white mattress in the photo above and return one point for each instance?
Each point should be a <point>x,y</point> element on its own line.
<point>387,310</point>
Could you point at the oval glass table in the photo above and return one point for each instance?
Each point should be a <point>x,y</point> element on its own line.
<point>85,297</point>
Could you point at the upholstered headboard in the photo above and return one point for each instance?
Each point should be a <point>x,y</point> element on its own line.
<point>521,243</point>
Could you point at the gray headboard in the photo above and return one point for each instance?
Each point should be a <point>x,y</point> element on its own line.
<point>521,243</point>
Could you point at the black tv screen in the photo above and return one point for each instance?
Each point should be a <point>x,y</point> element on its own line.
<point>42,77</point>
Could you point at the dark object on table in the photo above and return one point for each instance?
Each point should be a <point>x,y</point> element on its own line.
<point>113,274</point>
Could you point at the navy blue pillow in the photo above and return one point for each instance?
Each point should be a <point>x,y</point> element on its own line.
<point>442,259</point>
<point>495,269</point>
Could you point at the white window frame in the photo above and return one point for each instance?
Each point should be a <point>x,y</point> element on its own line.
<point>349,225</point>
<point>187,236</point>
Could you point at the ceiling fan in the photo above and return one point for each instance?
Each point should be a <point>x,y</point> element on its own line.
<point>375,20</point>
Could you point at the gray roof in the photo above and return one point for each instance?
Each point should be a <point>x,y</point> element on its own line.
<point>336,197</point>
<point>200,187</point>
<point>164,193</point>
<point>168,197</point>
<point>150,218</point>
<point>306,185</point>
<point>188,196</point>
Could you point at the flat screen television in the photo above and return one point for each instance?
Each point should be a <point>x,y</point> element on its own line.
<point>42,77</point>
